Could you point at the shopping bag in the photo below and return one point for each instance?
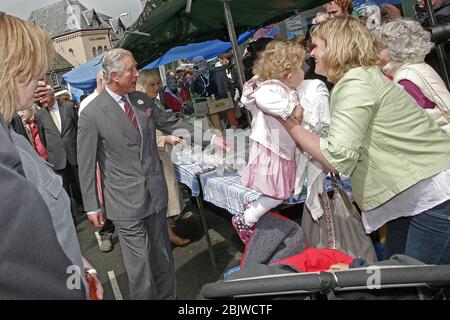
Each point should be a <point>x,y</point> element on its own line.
<point>339,228</point>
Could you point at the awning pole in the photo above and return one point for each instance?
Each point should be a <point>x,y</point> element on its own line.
<point>234,45</point>
<point>442,57</point>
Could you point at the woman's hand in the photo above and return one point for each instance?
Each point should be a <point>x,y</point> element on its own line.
<point>98,287</point>
<point>297,114</point>
<point>173,140</point>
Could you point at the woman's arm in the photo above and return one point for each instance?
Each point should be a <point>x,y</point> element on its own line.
<point>309,142</point>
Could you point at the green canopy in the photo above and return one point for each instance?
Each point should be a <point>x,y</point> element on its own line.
<point>169,25</point>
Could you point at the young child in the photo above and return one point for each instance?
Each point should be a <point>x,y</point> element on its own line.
<point>274,161</point>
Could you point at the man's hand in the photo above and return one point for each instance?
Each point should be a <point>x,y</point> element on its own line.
<point>222,143</point>
<point>42,90</point>
<point>97,219</point>
<point>173,140</point>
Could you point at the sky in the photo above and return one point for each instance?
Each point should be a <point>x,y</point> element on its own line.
<point>23,8</point>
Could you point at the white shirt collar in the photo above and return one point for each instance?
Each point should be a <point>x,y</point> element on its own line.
<point>55,106</point>
<point>115,96</point>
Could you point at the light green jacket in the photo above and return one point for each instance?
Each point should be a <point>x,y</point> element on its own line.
<point>381,138</point>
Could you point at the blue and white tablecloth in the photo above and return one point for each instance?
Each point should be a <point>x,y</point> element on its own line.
<point>228,193</point>
<point>187,175</point>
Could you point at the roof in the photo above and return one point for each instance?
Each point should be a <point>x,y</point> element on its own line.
<point>68,16</point>
<point>60,63</point>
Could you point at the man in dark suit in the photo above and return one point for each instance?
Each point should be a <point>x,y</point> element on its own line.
<point>117,129</point>
<point>33,264</point>
<point>57,124</point>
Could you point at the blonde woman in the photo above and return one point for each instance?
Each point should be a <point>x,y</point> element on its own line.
<point>398,160</point>
<point>39,250</point>
<point>150,83</point>
<point>404,45</point>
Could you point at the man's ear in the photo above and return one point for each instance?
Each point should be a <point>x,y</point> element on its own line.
<point>114,76</point>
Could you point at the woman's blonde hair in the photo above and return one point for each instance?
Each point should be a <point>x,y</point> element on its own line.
<point>144,79</point>
<point>278,60</point>
<point>349,44</point>
<point>26,52</point>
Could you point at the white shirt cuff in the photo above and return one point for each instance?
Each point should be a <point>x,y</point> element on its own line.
<point>94,212</point>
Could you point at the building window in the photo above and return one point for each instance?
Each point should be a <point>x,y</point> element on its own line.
<point>105,48</point>
<point>54,80</point>
<point>94,51</point>
<point>71,51</point>
<point>100,50</point>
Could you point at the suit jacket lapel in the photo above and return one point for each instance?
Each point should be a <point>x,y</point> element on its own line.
<point>50,119</point>
<point>120,119</point>
<point>141,116</point>
<point>63,116</point>
<point>139,109</point>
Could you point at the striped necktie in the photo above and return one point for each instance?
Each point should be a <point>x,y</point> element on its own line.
<point>129,112</point>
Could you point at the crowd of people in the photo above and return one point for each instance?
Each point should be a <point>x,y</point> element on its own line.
<point>385,125</point>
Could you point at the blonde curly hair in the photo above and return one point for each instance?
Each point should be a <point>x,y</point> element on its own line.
<point>278,60</point>
<point>349,44</point>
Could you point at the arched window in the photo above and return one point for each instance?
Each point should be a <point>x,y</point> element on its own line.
<point>105,48</point>
<point>100,50</point>
<point>94,51</point>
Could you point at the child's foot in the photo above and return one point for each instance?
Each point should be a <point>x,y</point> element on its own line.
<point>244,231</point>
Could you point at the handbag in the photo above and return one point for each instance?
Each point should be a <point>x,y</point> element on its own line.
<point>339,228</point>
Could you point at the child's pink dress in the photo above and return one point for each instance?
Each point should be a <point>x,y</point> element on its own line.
<point>271,167</point>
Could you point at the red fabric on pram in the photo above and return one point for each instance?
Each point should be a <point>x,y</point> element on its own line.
<point>315,259</point>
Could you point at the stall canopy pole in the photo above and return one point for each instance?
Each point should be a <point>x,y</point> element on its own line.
<point>440,47</point>
<point>234,45</point>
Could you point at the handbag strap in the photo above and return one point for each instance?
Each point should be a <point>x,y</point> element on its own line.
<point>328,216</point>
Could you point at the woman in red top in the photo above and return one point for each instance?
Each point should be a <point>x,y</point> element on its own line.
<point>31,127</point>
<point>174,96</point>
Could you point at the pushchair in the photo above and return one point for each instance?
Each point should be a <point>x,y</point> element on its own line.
<point>277,259</point>
<point>400,278</point>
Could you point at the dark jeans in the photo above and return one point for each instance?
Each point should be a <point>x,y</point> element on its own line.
<point>425,237</point>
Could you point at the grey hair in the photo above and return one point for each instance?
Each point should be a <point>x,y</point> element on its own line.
<point>405,40</point>
<point>112,62</point>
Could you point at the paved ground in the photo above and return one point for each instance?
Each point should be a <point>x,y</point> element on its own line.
<point>192,262</point>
